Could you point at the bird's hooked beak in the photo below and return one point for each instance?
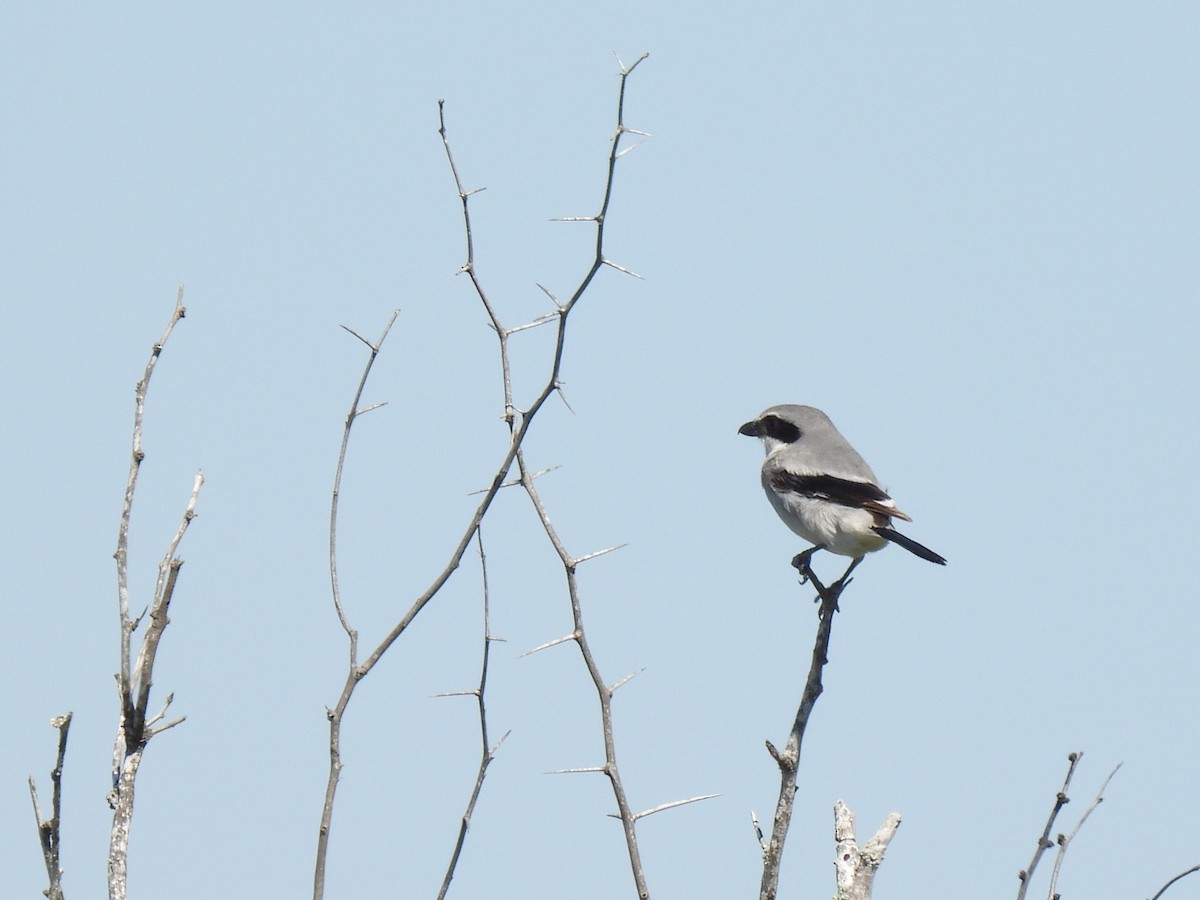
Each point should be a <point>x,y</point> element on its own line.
<point>750,429</point>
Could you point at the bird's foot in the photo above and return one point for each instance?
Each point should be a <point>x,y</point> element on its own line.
<point>802,563</point>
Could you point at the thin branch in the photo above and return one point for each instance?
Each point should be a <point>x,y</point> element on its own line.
<point>49,834</point>
<point>519,423</point>
<point>122,552</point>
<point>335,715</point>
<point>1065,841</point>
<point>1044,843</point>
<point>1162,890</point>
<point>788,759</point>
<point>168,575</point>
<point>603,692</point>
<point>353,414</point>
<point>134,680</point>
<point>488,753</point>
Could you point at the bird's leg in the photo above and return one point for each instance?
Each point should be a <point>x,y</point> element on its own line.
<point>839,585</point>
<point>827,596</point>
<point>802,563</point>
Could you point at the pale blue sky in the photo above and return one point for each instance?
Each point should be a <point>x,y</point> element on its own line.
<point>967,232</point>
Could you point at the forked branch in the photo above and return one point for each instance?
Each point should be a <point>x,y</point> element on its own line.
<point>135,678</point>
<point>49,830</point>
<point>519,422</point>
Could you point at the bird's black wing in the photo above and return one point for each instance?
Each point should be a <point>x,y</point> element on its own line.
<point>843,491</point>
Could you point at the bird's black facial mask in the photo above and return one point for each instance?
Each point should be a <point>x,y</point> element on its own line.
<point>773,427</point>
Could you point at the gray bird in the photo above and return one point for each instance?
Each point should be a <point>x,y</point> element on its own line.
<point>822,489</point>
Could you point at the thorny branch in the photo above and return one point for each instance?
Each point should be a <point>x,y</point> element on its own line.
<point>488,752</point>
<point>519,423</point>
<point>335,715</point>
<point>603,691</point>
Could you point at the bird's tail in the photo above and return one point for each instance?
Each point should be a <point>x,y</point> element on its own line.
<point>909,544</point>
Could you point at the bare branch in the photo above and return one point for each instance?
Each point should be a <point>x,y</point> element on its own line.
<point>603,691</point>
<point>168,575</point>
<point>519,423</point>
<point>788,759</point>
<point>1044,843</point>
<point>353,414</point>
<point>1065,841</point>
<point>135,680</point>
<point>1162,890</point>
<point>856,867</point>
<point>488,752</point>
<point>135,464</point>
<point>49,833</point>
<point>335,715</point>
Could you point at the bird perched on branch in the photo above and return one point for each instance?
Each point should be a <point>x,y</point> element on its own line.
<point>822,489</point>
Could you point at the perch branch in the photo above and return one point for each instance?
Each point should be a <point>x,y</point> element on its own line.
<point>788,759</point>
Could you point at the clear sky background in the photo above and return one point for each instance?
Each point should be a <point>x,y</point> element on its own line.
<point>966,231</point>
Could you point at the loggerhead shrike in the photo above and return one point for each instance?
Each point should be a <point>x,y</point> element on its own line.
<point>822,489</point>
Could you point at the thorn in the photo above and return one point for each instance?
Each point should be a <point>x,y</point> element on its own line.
<point>558,389</point>
<point>550,294</point>
<point>628,678</point>
<point>359,336</point>
<point>586,557</point>
<point>620,268</point>
<point>672,805</point>
<point>574,635</point>
<point>496,746</point>
<point>540,320</point>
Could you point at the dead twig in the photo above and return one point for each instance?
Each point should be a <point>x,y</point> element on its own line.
<point>49,830</point>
